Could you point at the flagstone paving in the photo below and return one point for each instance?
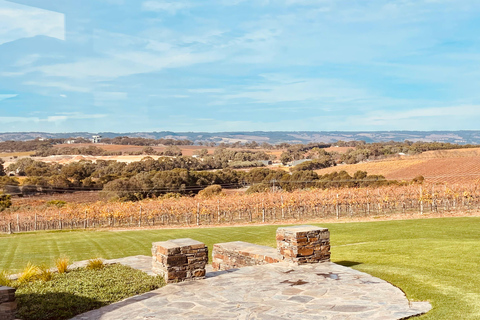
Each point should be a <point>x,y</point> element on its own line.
<point>275,291</point>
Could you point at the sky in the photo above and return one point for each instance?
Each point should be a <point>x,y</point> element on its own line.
<point>239,65</point>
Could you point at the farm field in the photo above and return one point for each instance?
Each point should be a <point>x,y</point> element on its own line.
<point>186,150</point>
<point>66,159</point>
<point>431,260</point>
<point>445,166</point>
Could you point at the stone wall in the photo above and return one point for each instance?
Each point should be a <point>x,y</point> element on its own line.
<point>239,254</point>
<point>304,244</point>
<point>8,305</point>
<point>180,259</point>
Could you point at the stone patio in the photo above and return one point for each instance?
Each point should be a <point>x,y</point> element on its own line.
<point>274,291</point>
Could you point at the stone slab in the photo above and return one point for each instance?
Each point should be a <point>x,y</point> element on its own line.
<point>282,290</point>
<point>302,228</point>
<point>238,254</point>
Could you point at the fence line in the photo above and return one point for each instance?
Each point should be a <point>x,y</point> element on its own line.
<point>260,208</point>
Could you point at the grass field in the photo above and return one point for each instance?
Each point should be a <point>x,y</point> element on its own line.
<point>432,259</point>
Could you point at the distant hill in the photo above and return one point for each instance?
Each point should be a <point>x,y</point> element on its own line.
<point>459,137</point>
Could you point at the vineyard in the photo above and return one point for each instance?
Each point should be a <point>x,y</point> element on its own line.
<point>241,208</point>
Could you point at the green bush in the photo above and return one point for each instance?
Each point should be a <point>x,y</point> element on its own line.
<point>5,201</point>
<point>81,290</point>
<point>56,203</point>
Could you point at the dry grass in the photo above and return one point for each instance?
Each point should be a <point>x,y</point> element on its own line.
<point>386,168</point>
<point>338,149</point>
<point>5,279</point>
<point>95,264</point>
<point>44,273</point>
<point>62,264</point>
<point>186,150</point>
<point>442,166</point>
<point>29,274</point>
<point>16,154</point>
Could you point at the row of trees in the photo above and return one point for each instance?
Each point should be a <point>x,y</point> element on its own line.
<point>146,142</point>
<point>152,177</point>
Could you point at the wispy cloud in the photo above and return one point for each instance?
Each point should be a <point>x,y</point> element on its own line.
<point>60,117</point>
<point>290,64</point>
<point>278,89</point>
<point>170,7</point>
<point>64,86</point>
<point>7,96</point>
<point>19,21</point>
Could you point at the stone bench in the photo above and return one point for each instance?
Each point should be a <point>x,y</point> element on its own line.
<point>180,259</point>
<point>8,305</point>
<point>304,244</point>
<point>239,254</point>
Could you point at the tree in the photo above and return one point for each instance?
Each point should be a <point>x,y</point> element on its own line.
<point>5,201</point>
<point>172,151</point>
<point>121,189</point>
<point>2,169</point>
<point>149,151</point>
<point>286,158</point>
<point>210,191</point>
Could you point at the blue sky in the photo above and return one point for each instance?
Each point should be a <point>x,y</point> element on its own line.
<point>239,65</point>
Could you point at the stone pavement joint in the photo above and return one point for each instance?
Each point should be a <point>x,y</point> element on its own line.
<point>273,291</point>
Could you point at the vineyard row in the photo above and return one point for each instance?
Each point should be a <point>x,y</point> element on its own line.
<point>261,207</point>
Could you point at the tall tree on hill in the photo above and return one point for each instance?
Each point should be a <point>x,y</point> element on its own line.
<point>2,169</point>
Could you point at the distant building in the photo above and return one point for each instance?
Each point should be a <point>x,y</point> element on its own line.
<point>96,139</point>
<point>297,162</point>
<point>70,141</point>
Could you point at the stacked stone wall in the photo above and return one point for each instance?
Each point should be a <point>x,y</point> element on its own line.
<point>304,244</point>
<point>180,259</point>
<point>8,305</point>
<point>237,254</point>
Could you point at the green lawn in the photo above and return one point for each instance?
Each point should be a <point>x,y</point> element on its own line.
<point>434,259</point>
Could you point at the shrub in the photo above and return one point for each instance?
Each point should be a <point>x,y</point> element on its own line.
<point>210,191</point>
<point>95,264</point>
<point>62,264</point>
<point>44,273</point>
<point>259,187</point>
<point>5,201</point>
<point>5,279</point>
<point>56,203</point>
<point>29,274</point>
<point>418,179</point>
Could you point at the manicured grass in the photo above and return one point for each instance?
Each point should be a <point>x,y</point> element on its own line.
<point>432,259</point>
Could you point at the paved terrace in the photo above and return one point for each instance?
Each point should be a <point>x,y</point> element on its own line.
<point>273,291</point>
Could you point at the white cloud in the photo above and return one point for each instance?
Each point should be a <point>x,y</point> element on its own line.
<point>58,85</point>
<point>19,21</point>
<point>278,89</point>
<point>165,6</point>
<point>383,117</point>
<point>110,96</point>
<point>59,117</point>
<point>7,96</point>
<point>125,63</point>
<point>207,90</point>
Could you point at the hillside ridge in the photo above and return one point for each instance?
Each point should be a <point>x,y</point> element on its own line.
<point>272,137</point>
